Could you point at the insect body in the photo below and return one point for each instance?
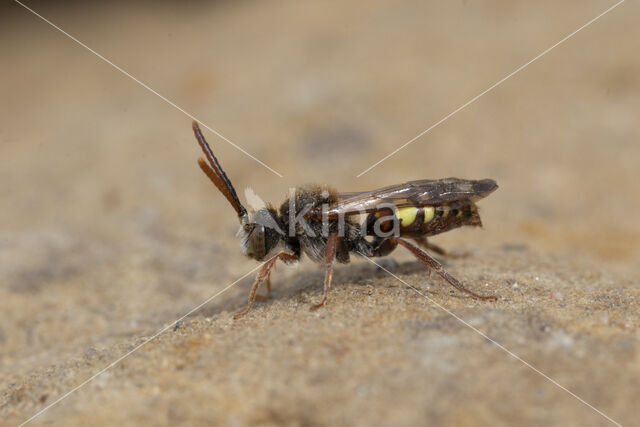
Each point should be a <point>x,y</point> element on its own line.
<point>321,223</point>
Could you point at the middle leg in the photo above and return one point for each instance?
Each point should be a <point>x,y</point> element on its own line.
<point>329,256</point>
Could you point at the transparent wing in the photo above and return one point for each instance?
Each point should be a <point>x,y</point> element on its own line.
<point>425,192</point>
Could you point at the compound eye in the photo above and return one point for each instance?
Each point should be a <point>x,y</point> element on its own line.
<point>257,242</point>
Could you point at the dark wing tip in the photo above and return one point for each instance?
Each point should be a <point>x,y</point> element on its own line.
<point>489,184</point>
<point>485,186</point>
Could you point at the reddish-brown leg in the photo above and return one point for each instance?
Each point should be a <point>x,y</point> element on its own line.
<point>263,275</point>
<point>267,283</point>
<point>329,255</point>
<point>424,243</point>
<point>432,263</point>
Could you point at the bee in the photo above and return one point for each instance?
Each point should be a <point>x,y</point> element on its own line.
<point>320,223</point>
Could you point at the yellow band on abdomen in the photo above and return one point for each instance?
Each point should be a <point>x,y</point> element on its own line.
<point>429,212</point>
<point>407,215</point>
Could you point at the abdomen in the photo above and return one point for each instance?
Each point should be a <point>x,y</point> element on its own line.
<point>424,221</point>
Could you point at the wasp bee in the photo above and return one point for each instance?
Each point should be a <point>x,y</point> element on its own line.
<point>321,223</point>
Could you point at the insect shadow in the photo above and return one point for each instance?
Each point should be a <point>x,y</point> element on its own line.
<point>302,286</point>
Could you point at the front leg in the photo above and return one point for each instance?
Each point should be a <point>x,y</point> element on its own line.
<point>329,256</point>
<point>267,284</point>
<point>263,275</point>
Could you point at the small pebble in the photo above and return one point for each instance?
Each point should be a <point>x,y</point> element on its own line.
<point>178,324</point>
<point>557,295</point>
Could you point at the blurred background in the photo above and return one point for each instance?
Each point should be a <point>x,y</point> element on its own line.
<point>108,228</point>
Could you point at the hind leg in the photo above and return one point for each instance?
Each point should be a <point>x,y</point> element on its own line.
<point>437,267</point>
<point>425,244</point>
<point>383,247</point>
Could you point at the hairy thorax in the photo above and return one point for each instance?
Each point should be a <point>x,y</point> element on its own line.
<point>310,233</point>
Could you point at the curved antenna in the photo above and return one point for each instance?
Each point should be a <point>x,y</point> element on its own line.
<point>216,174</point>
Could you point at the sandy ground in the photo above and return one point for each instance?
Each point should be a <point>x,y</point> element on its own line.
<point>109,231</point>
